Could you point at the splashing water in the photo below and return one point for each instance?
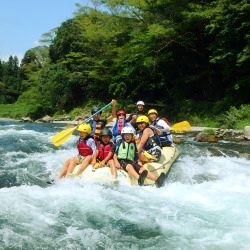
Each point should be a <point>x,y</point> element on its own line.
<point>205,203</point>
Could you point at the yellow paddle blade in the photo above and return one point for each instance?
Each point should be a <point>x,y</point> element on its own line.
<point>181,126</point>
<point>62,136</point>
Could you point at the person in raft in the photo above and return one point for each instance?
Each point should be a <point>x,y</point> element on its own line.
<point>126,157</point>
<point>104,154</point>
<point>148,141</point>
<point>86,148</point>
<point>119,125</point>
<point>162,128</point>
<point>97,124</point>
<point>139,111</point>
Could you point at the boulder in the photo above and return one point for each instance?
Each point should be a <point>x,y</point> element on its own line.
<point>177,140</point>
<point>47,118</point>
<point>26,119</point>
<point>205,137</point>
<point>246,132</point>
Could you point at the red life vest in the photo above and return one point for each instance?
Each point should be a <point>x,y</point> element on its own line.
<point>83,148</point>
<point>103,150</point>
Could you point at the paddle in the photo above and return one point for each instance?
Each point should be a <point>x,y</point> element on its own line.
<point>180,126</point>
<point>64,135</point>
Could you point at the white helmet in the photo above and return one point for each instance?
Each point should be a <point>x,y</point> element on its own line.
<point>127,130</point>
<point>140,103</point>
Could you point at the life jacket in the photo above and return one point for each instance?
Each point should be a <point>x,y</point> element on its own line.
<point>152,141</point>
<point>83,148</point>
<point>96,127</point>
<point>103,150</point>
<point>126,151</point>
<point>153,144</point>
<point>165,137</point>
<point>117,128</point>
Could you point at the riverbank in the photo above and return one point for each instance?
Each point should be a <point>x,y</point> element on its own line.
<point>227,134</point>
<point>7,119</point>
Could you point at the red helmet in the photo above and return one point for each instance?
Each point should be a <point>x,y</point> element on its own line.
<point>121,112</point>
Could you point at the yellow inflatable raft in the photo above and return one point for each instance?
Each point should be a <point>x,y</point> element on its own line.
<point>168,156</point>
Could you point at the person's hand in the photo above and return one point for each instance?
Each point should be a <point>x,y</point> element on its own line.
<point>136,139</point>
<point>113,102</point>
<point>133,120</point>
<point>97,165</point>
<point>158,131</point>
<point>102,164</point>
<point>139,163</point>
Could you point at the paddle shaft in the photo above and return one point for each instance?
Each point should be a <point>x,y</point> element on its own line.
<point>89,118</point>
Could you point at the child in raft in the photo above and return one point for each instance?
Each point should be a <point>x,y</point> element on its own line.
<point>86,148</point>
<point>126,157</point>
<point>104,154</point>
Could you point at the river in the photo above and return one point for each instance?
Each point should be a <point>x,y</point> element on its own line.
<point>205,203</point>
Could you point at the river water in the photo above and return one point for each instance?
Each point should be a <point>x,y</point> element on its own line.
<point>205,203</point>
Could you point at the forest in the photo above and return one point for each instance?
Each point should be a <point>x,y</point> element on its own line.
<point>189,59</point>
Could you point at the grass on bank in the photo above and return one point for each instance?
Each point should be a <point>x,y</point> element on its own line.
<point>232,119</point>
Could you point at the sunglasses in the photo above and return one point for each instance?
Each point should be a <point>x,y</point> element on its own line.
<point>121,115</point>
<point>139,123</point>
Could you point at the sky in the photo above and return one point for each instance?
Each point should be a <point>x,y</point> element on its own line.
<point>23,22</point>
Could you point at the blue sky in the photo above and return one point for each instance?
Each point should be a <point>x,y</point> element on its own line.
<point>22,22</point>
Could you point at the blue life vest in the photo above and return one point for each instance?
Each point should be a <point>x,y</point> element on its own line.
<point>153,144</point>
<point>117,128</point>
<point>165,137</point>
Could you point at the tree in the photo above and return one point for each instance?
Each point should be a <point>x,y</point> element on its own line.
<point>230,52</point>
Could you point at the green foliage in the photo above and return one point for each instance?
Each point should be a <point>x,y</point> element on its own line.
<point>240,124</point>
<point>228,29</point>
<point>209,131</point>
<point>15,111</point>
<point>235,118</point>
<point>192,56</point>
<point>202,121</point>
<point>10,82</point>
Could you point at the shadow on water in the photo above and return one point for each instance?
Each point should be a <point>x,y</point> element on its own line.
<point>12,179</point>
<point>8,180</point>
<point>200,178</point>
<point>124,227</point>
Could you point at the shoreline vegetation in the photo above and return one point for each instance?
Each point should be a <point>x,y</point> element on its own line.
<point>198,133</point>
<point>233,118</point>
<point>194,129</point>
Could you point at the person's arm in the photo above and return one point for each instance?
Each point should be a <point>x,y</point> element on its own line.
<point>145,135</point>
<point>130,117</point>
<point>93,162</point>
<point>91,143</point>
<point>113,114</point>
<point>163,124</point>
<point>104,161</point>
<point>116,162</point>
